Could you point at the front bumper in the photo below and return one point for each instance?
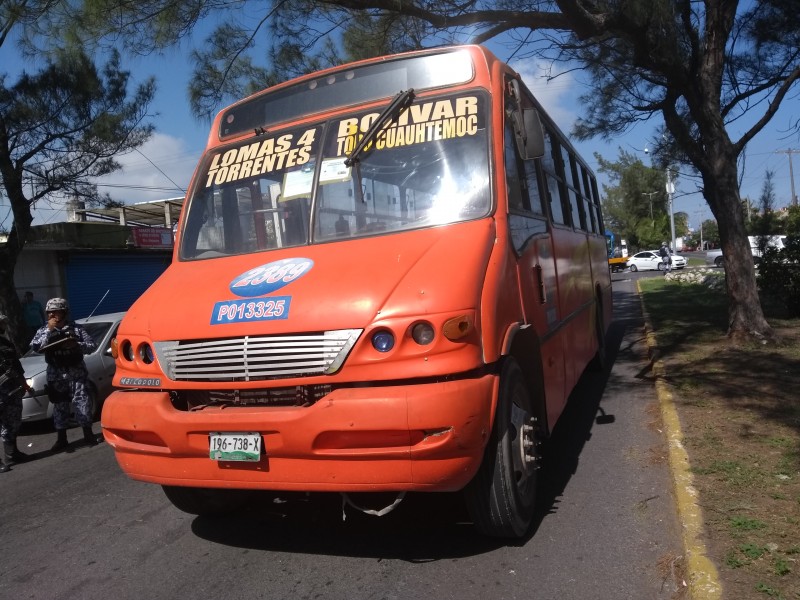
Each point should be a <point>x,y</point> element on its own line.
<point>423,437</point>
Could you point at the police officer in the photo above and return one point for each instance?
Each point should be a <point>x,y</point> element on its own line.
<point>63,344</point>
<point>666,257</point>
<point>12,388</point>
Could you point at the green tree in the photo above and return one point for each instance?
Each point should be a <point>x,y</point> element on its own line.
<point>765,222</point>
<point>698,67</point>
<point>60,127</point>
<point>792,225</point>
<point>710,233</point>
<point>635,203</point>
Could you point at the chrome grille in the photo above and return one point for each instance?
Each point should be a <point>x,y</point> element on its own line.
<point>253,358</point>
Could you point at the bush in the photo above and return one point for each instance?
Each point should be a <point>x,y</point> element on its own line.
<point>779,275</point>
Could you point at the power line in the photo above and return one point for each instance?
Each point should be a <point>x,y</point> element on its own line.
<point>160,171</point>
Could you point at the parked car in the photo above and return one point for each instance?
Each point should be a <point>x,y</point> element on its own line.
<point>100,364</point>
<point>714,257</point>
<point>650,260</point>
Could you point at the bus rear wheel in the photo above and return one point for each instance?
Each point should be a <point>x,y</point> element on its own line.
<point>204,501</point>
<point>501,497</point>
<point>598,362</point>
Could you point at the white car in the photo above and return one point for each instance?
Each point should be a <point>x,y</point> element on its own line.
<point>650,260</point>
<point>36,406</point>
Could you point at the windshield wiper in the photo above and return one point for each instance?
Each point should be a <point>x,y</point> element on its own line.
<point>401,102</point>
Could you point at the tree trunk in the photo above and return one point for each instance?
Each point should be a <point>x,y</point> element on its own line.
<point>721,190</point>
<point>9,300</point>
<point>17,236</point>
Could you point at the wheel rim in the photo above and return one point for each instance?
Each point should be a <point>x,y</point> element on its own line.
<point>524,451</point>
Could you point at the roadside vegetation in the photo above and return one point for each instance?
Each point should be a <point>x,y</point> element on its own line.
<point>740,414</point>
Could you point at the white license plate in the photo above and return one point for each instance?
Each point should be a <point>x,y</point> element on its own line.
<point>244,446</point>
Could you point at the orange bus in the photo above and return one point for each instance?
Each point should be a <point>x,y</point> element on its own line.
<point>388,277</point>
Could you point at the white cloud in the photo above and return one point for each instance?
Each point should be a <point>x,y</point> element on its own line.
<point>160,169</point>
<point>555,89</point>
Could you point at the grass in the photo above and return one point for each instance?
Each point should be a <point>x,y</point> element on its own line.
<point>739,408</point>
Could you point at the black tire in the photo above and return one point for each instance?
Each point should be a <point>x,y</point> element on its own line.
<point>97,404</point>
<point>204,501</point>
<point>598,362</point>
<point>634,268</point>
<point>719,261</point>
<point>662,266</point>
<point>501,497</point>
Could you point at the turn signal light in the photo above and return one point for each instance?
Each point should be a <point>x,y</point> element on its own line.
<point>457,328</point>
<point>114,348</point>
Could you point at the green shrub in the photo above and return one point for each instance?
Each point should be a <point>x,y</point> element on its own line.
<point>779,275</point>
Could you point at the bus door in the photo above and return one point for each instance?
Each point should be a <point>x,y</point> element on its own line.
<point>536,268</point>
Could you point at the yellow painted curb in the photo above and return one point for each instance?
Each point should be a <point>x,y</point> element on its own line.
<point>703,579</point>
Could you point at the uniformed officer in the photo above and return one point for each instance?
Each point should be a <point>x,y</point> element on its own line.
<point>12,388</point>
<point>63,343</point>
<point>666,257</point>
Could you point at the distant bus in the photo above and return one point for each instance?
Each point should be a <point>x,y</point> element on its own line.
<point>388,277</point>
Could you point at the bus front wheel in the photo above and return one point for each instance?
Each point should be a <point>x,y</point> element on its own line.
<point>501,496</point>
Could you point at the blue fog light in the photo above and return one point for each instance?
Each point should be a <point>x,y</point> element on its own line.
<point>383,341</point>
<point>147,354</point>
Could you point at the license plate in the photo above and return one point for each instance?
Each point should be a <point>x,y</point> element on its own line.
<point>245,446</point>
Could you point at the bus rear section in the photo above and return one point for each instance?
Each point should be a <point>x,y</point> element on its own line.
<point>355,306</point>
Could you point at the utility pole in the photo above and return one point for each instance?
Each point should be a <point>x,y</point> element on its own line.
<point>670,193</point>
<point>791,171</point>
<point>700,213</point>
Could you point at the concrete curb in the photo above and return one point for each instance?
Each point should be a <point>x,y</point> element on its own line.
<point>703,579</point>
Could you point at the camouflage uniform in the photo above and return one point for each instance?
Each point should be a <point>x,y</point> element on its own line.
<point>11,391</point>
<point>67,377</point>
<point>12,388</point>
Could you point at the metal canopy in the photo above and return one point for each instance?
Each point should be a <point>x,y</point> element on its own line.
<point>157,213</point>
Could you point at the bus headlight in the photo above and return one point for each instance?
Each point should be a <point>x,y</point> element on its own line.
<point>383,340</point>
<point>422,333</point>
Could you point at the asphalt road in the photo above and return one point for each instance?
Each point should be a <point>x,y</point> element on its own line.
<point>73,527</point>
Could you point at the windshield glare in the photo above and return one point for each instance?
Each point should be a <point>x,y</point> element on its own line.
<point>428,168</point>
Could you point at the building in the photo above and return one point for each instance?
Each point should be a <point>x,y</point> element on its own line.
<point>100,260</point>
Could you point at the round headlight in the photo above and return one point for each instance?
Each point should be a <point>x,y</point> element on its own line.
<point>126,350</point>
<point>422,333</point>
<point>382,341</point>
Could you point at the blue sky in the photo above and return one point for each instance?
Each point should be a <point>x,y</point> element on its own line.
<point>163,166</point>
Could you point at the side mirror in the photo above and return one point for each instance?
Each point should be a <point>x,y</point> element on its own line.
<point>527,125</point>
<point>534,136</point>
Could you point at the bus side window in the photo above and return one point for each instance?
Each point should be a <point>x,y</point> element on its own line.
<point>552,182</point>
<point>587,202</point>
<point>513,181</point>
<point>533,176</point>
<point>596,205</point>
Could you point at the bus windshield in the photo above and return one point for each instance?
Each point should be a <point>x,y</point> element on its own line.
<point>428,167</point>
